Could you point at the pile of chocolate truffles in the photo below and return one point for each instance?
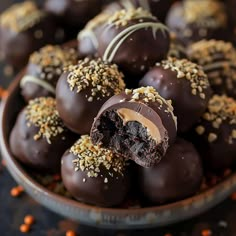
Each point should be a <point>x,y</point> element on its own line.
<point>135,108</point>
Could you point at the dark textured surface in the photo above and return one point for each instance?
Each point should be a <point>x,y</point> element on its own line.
<point>13,210</point>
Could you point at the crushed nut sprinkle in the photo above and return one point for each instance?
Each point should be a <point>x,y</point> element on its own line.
<point>52,60</point>
<point>21,16</point>
<point>149,94</point>
<point>123,17</point>
<point>189,71</point>
<point>42,113</point>
<point>221,109</point>
<point>205,51</point>
<point>103,78</point>
<point>205,13</point>
<point>91,158</point>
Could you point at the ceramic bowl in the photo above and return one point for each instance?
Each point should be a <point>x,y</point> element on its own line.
<point>96,216</point>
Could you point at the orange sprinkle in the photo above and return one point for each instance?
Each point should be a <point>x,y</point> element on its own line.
<point>29,220</point>
<point>233,196</point>
<point>206,232</point>
<point>20,188</point>
<point>24,228</point>
<point>3,93</point>
<point>70,233</point>
<point>15,192</point>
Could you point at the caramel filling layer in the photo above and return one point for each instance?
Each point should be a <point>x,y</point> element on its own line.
<point>129,115</point>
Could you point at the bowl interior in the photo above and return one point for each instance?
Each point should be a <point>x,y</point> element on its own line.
<point>96,216</point>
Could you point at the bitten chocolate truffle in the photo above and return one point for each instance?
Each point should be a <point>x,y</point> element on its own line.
<point>193,21</point>
<point>72,15</point>
<point>83,89</point>
<point>95,175</point>
<point>138,124</point>
<point>185,84</point>
<point>39,137</point>
<point>121,40</point>
<point>178,175</point>
<point>157,8</point>
<point>216,133</point>
<point>44,69</point>
<point>23,29</point>
<point>218,60</point>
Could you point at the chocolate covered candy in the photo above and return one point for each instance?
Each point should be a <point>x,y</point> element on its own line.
<point>82,90</point>
<point>44,69</point>
<point>39,137</point>
<point>95,175</point>
<point>138,124</point>
<point>185,84</point>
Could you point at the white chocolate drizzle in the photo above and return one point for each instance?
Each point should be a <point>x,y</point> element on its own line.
<point>42,83</point>
<point>115,44</point>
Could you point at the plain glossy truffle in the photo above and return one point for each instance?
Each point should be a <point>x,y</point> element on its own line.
<point>185,84</point>
<point>179,175</point>
<point>39,137</point>
<point>94,175</point>
<point>138,124</point>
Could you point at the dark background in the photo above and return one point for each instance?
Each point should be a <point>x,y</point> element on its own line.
<point>221,220</point>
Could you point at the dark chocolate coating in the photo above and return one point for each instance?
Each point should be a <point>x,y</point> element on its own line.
<point>74,108</point>
<point>187,32</point>
<point>93,190</point>
<point>178,175</point>
<point>132,140</point>
<point>38,154</point>
<point>187,107</point>
<point>134,57</point>
<point>158,8</point>
<point>16,47</point>
<point>72,14</point>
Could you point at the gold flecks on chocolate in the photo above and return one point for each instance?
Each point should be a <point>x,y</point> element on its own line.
<point>52,60</point>
<point>205,13</point>
<point>189,71</point>
<point>149,94</point>
<point>221,109</point>
<point>42,113</point>
<point>123,17</point>
<point>91,158</point>
<point>21,16</point>
<point>102,78</point>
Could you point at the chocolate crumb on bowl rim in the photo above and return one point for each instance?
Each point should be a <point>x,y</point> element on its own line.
<point>96,216</point>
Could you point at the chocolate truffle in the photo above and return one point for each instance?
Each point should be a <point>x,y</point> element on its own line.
<point>72,15</point>
<point>121,41</point>
<point>178,175</point>
<point>88,37</point>
<point>44,69</point>
<point>218,60</point>
<point>23,29</point>
<point>193,21</point>
<point>95,175</point>
<point>82,90</point>
<point>157,8</point>
<point>216,133</point>
<point>138,124</point>
<point>39,137</point>
<point>185,84</point>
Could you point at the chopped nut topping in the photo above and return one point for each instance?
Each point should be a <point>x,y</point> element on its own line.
<point>42,113</point>
<point>206,13</point>
<point>102,78</point>
<point>21,16</point>
<point>92,158</point>
<point>123,17</point>
<point>52,60</point>
<point>212,137</point>
<point>189,71</point>
<point>200,130</point>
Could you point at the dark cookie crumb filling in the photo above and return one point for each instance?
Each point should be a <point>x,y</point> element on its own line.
<point>132,139</point>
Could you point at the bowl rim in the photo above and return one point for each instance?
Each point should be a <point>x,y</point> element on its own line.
<point>13,163</point>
